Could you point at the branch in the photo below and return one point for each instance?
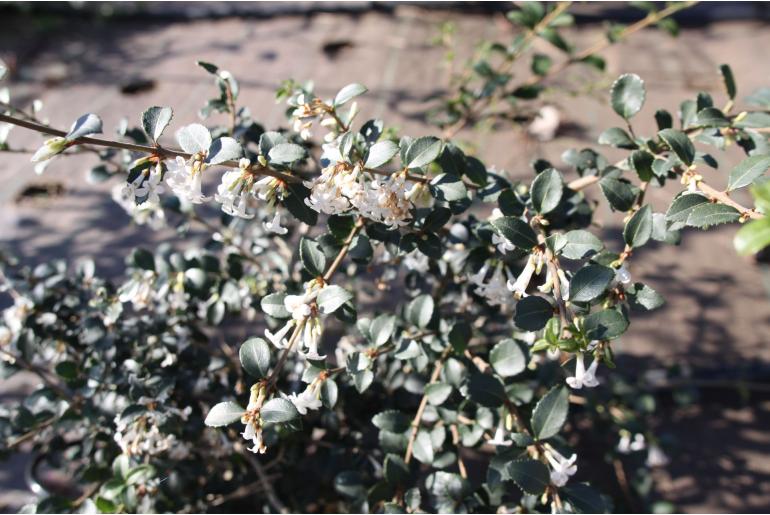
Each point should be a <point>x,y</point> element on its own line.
<point>159,151</point>
<point>423,404</point>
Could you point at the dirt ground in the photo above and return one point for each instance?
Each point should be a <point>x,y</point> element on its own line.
<point>718,315</point>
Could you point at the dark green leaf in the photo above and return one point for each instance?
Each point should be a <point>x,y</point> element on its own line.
<point>380,153</point>
<point>639,228</point>
<point>531,476</point>
<point>546,191</point>
<point>550,413</point>
<point>255,357</point>
<point>605,325</point>
<point>708,214</point>
<point>680,144</point>
<point>532,313</point>
<point>422,151</point>
<point>278,411</point>
<point>486,390</point>
<point>420,310</point>
<point>391,420</point>
<point>508,358</point>
<point>331,298</point>
<point>312,257</point>
<point>747,171</point>
<point>155,120</point>
<point>579,244</point>
<point>286,154</point>
<point>728,79</point>
<point>517,231</point>
<point>628,95</point>
<point>616,137</point>
<point>590,282</point>
<point>223,414</point>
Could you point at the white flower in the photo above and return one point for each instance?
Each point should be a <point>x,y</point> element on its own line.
<point>275,226</point>
<point>15,316</point>
<point>495,290</point>
<point>656,457</point>
<point>545,124</point>
<point>185,179</point>
<point>235,190</point>
<point>144,213</point>
<point>622,275</point>
<point>502,243</point>
<point>519,287</point>
<point>298,306</point>
<point>626,445</point>
<point>50,148</point>
<point>147,186</point>
<point>268,188</point>
<point>561,467</point>
<point>253,429</point>
<point>582,376</point>
<point>499,438</point>
<point>311,335</point>
<point>279,338</point>
<point>309,399</point>
<point>138,290</point>
<point>549,283</point>
<point>417,261</point>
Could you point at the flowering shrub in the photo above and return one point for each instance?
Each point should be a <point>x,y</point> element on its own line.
<point>416,331</point>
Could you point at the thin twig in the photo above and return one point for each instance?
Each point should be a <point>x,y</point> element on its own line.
<point>421,408</point>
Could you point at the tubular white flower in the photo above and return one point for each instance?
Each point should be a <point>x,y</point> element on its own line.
<point>627,446</point>
<point>519,287</point>
<point>274,226</point>
<point>235,190</point>
<point>561,468</point>
<point>309,399</point>
<point>279,338</point>
<point>185,179</point>
<point>502,243</point>
<point>499,438</point>
<point>582,376</point>
<point>656,457</point>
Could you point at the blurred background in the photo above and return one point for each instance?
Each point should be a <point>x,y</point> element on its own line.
<point>116,59</point>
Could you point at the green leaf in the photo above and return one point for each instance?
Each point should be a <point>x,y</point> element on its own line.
<point>194,138</point>
<point>391,420</point>
<point>616,137</point>
<point>286,154</point>
<point>550,413</point>
<point>437,393</point>
<point>395,469</point>
<point>711,117</point>
<point>348,93</point>
<point>143,258</point>
<point>590,282</point>
<point>255,357</point>
<point>508,358</point>
<point>448,188</point>
<point>627,95</point>
<point>604,325</point>
<point>380,153</point>
<point>211,68</point>
<point>312,257</point>
<point>541,63</point>
<point>420,310</point>
<point>682,207</point>
<point>67,370</point>
<point>223,414</point>
<point>459,336</point>
<point>531,476</point>
<point>547,190</point>
<point>643,298</point>
<point>532,313</point>
<point>753,237</point>
<point>584,499</point>
<point>486,390</point>
<point>619,193</point>
<point>641,161</point>
<point>224,149</point>
<point>423,448</point>
<point>381,329</point>
<point>639,228</point>
<point>155,120</point>
<point>747,171</point>
<point>278,411</point>
<point>332,297</point>
<point>273,305</point>
<point>84,126</point>
<point>680,144</point>
<point>422,151</point>
<point>708,214</point>
<point>729,80</point>
<point>517,231</point>
<point>578,244</point>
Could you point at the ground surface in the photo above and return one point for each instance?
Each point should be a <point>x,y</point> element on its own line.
<point>718,311</point>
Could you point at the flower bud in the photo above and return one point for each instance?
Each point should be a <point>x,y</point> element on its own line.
<point>50,148</point>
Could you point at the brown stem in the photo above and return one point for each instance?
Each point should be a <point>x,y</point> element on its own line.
<point>159,151</point>
<point>422,406</point>
<point>604,43</point>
